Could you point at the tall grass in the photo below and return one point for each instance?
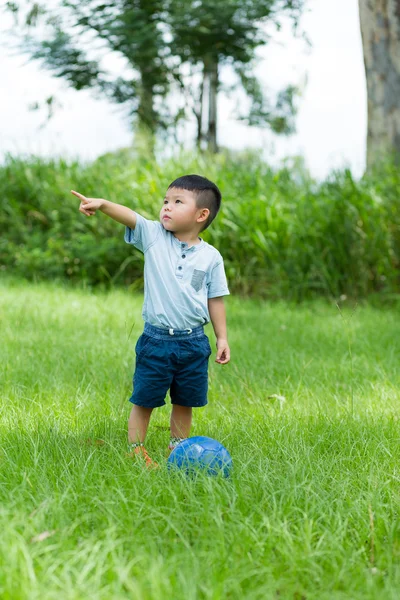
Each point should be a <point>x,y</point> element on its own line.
<point>311,510</point>
<point>281,233</point>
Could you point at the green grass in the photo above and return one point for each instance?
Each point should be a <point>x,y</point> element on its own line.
<point>312,508</point>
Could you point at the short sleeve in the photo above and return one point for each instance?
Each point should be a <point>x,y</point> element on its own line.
<point>218,286</point>
<point>144,235</point>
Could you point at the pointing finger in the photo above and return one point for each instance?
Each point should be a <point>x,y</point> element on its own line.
<point>80,196</point>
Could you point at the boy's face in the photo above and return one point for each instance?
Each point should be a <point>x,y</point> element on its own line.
<point>180,206</point>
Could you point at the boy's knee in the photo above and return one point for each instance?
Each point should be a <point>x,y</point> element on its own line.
<point>140,410</point>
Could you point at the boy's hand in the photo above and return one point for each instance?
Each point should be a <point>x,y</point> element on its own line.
<point>88,206</point>
<point>223,352</point>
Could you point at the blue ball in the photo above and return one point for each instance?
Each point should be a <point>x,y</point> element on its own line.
<point>201,453</point>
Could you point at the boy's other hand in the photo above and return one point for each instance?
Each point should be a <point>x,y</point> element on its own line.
<point>223,352</point>
<point>88,206</point>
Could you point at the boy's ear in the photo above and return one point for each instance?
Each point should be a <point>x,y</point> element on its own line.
<point>204,213</point>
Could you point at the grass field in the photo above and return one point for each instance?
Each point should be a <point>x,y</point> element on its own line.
<point>312,508</point>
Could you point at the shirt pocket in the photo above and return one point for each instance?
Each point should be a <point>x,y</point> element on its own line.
<point>197,280</point>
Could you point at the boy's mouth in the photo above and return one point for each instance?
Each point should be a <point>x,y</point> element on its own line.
<point>166,217</point>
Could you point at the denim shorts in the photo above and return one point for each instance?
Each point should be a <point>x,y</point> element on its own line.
<point>174,360</point>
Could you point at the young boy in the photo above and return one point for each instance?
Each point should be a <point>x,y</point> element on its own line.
<point>185,283</point>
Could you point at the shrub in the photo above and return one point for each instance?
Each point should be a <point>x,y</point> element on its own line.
<point>281,233</point>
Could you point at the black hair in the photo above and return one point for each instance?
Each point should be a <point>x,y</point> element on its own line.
<point>206,193</point>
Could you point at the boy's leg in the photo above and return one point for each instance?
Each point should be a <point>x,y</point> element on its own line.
<point>137,428</point>
<point>138,423</point>
<point>189,387</point>
<point>181,421</point>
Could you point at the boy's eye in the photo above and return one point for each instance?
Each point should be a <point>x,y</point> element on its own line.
<point>167,201</point>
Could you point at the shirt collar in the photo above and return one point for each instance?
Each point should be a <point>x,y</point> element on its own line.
<point>184,245</point>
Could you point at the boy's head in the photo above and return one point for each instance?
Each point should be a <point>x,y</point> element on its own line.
<point>191,203</point>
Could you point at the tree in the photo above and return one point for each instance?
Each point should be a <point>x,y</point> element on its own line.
<point>69,47</point>
<point>156,39</point>
<point>380,31</point>
<point>213,34</point>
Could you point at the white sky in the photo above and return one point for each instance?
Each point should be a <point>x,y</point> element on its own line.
<point>331,123</point>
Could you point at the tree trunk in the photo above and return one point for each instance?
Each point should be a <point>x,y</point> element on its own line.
<point>145,111</point>
<point>147,120</point>
<point>212,69</point>
<point>380,31</point>
<point>199,114</point>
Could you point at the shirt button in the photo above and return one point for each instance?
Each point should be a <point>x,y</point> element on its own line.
<point>179,268</point>
<point>183,255</point>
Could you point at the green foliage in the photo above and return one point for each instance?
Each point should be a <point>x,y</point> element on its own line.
<point>72,38</point>
<point>156,40</point>
<point>281,233</point>
<point>229,32</point>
